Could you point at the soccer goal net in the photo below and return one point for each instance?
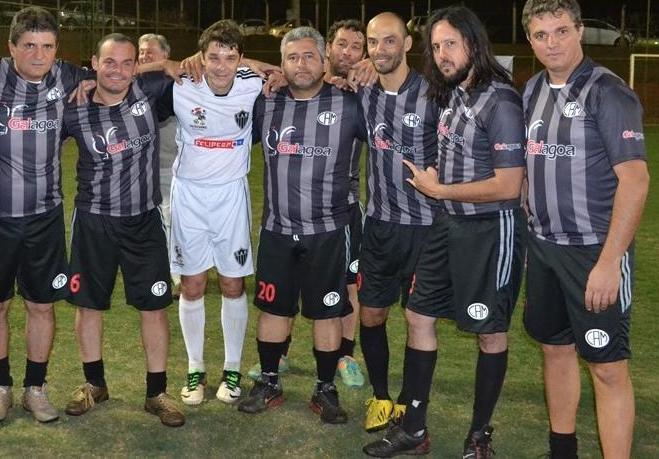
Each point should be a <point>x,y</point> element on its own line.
<point>644,79</point>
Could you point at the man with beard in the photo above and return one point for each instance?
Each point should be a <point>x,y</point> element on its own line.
<point>402,125</point>
<point>344,48</point>
<point>471,266</point>
<point>588,180</point>
<point>307,131</point>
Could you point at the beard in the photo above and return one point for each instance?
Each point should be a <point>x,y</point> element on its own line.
<point>340,69</point>
<point>460,75</point>
<point>389,66</point>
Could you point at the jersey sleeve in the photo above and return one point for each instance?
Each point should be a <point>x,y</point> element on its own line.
<point>160,87</point>
<point>506,131</point>
<point>257,118</point>
<point>360,124</point>
<point>619,118</point>
<point>72,75</point>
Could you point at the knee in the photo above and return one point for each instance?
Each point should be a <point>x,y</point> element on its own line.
<point>551,351</point>
<point>610,374</point>
<point>493,343</point>
<point>191,289</point>
<point>372,317</point>
<point>417,323</point>
<point>39,309</point>
<point>233,288</point>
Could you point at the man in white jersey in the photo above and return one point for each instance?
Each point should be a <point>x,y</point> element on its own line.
<point>210,202</point>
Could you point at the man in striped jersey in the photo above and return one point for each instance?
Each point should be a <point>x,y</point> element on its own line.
<point>33,90</point>
<point>211,221</point>
<point>117,222</point>
<point>471,267</point>
<point>307,132</point>
<point>344,48</point>
<point>588,182</point>
<point>402,123</point>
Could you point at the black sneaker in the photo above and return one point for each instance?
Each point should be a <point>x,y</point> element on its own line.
<point>325,402</point>
<point>479,444</point>
<point>397,442</point>
<point>262,396</point>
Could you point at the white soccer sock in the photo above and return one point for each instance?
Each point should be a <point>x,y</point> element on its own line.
<point>234,325</point>
<point>192,315</point>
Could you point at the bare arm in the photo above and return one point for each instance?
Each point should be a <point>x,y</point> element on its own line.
<point>604,278</point>
<point>506,184</point>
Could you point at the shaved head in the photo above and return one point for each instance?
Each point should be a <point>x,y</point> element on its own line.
<point>388,21</point>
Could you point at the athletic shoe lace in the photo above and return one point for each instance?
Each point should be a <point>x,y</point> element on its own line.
<point>193,380</point>
<point>233,379</point>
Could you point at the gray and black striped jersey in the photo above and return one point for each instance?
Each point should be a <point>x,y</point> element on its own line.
<point>479,131</point>
<point>576,134</point>
<point>118,163</point>
<point>353,194</point>
<point>307,146</point>
<point>401,125</point>
<point>30,137</point>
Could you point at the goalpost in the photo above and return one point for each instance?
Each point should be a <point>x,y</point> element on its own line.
<point>632,62</point>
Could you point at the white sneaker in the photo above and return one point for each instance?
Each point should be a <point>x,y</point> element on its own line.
<point>229,390</point>
<point>35,400</point>
<point>193,392</point>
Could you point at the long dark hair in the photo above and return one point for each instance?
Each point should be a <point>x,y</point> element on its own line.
<point>485,67</point>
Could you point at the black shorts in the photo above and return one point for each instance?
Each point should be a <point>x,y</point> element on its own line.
<point>555,312</point>
<point>470,270</point>
<point>356,226</point>
<point>312,267</point>
<point>34,256</point>
<point>387,261</point>
<point>100,244</point>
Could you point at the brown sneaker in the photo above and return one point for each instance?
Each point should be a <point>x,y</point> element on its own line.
<point>84,399</point>
<point>6,401</point>
<point>165,408</point>
<point>35,400</point>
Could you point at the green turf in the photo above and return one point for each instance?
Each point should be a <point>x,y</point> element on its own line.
<point>120,427</point>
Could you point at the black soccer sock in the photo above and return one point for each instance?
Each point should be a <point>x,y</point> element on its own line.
<point>490,374</point>
<point>563,446</point>
<point>35,373</point>
<point>326,362</point>
<point>419,367</point>
<point>403,394</point>
<point>347,347</point>
<point>287,345</point>
<point>269,355</point>
<point>375,348</point>
<point>95,373</point>
<point>156,383</point>
<point>5,376</point>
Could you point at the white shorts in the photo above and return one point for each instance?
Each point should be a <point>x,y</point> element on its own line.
<point>211,226</point>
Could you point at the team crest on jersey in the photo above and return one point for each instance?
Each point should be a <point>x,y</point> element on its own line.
<point>198,118</point>
<point>327,118</point>
<point>54,94</point>
<point>573,110</point>
<point>139,108</point>
<point>411,120</point>
<point>241,118</point>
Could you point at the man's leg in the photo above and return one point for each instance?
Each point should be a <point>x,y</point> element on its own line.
<point>192,316</point>
<point>614,398</point>
<point>562,391</point>
<point>375,347</point>
<point>411,435</point>
<point>348,367</point>
<point>40,331</point>
<point>5,378</point>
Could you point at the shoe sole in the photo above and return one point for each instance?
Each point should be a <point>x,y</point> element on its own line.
<point>228,401</point>
<point>188,402</point>
<point>319,411</point>
<point>272,403</point>
<point>45,421</point>
<point>163,422</point>
<point>96,402</point>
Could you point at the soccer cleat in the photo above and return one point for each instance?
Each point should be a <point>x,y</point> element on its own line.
<point>229,390</point>
<point>351,374</point>
<point>255,372</point>
<point>479,444</point>
<point>193,392</point>
<point>262,396</point>
<point>378,413</point>
<point>84,399</point>
<point>397,442</point>
<point>6,401</point>
<point>163,406</point>
<point>35,400</point>
<point>325,402</point>
<point>398,413</point>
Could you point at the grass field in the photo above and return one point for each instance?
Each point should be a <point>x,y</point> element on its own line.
<point>120,427</point>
